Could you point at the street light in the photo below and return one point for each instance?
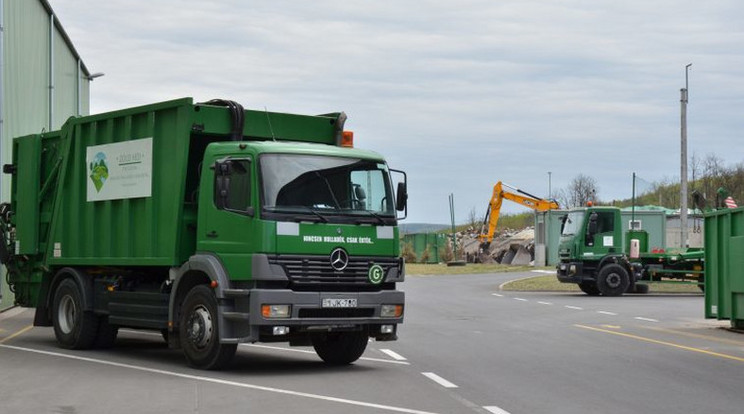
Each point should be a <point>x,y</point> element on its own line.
<point>550,193</point>
<point>683,160</point>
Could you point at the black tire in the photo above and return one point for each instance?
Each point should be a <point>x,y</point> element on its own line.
<point>612,280</point>
<point>74,328</point>
<point>701,283</point>
<point>641,288</point>
<point>340,348</point>
<point>590,288</point>
<point>106,335</point>
<point>199,331</point>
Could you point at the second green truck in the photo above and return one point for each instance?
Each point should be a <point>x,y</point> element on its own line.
<point>596,255</point>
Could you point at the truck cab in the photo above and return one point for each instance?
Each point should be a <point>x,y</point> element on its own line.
<point>591,237</point>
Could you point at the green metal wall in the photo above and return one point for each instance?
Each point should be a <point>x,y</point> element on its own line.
<point>435,242</point>
<point>724,266</point>
<point>37,57</point>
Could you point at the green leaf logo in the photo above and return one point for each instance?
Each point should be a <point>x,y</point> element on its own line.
<point>99,172</point>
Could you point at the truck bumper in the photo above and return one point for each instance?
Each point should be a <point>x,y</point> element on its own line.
<point>309,312</point>
<point>571,272</point>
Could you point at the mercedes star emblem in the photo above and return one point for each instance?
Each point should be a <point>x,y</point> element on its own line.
<point>339,259</point>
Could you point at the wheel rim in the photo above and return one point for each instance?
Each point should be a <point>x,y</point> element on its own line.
<point>199,327</point>
<point>613,280</point>
<point>67,313</point>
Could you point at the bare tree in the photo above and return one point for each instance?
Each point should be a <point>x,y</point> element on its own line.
<point>581,190</point>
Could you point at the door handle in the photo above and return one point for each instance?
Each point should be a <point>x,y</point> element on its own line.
<point>212,234</point>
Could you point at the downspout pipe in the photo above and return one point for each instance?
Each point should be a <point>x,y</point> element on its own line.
<point>2,91</point>
<point>51,71</point>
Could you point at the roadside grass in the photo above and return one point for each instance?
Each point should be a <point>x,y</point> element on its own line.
<point>541,283</point>
<point>549,283</point>
<point>470,268</point>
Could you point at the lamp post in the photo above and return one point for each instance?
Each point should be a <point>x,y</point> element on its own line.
<point>683,161</point>
<point>550,193</point>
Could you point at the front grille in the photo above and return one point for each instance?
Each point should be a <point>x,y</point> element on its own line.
<point>316,273</point>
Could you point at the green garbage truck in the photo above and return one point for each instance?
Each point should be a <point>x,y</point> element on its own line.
<point>209,223</point>
<point>596,255</point>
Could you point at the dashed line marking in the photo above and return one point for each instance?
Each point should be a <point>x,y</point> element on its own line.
<point>521,300</point>
<point>549,272</point>
<point>439,380</point>
<point>545,303</point>
<point>607,313</point>
<point>573,307</point>
<point>392,354</point>
<point>497,294</point>
<point>220,381</point>
<point>640,318</point>
<point>495,410</point>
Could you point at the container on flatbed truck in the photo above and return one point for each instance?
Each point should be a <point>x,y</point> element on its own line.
<point>593,255</point>
<point>724,269</point>
<point>212,224</point>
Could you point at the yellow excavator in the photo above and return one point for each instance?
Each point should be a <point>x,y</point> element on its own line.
<point>517,196</point>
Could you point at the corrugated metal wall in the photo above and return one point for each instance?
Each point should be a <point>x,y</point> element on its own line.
<point>43,82</point>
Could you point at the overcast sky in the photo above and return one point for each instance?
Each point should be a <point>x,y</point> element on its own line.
<point>459,94</point>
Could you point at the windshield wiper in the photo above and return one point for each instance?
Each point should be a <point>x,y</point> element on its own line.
<point>373,214</point>
<point>318,215</point>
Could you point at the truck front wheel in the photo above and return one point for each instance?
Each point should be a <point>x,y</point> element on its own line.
<point>74,327</point>
<point>590,288</point>
<point>199,331</point>
<point>613,280</point>
<point>340,348</point>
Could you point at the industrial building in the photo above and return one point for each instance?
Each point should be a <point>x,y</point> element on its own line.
<point>43,81</point>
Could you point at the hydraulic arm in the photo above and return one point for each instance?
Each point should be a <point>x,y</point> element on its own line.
<point>517,196</point>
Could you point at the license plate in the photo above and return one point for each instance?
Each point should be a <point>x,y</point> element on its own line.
<point>339,303</point>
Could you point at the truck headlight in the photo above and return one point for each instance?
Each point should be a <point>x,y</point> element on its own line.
<point>276,311</point>
<point>391,311</point>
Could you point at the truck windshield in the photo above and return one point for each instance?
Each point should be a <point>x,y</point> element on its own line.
<point>323,186</point>
<point>573,224</point>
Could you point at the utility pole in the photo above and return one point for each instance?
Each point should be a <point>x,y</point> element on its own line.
<point>683,163</point>
<point>550,193</point>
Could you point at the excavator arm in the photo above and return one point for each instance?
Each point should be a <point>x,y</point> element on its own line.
<point>517,196</point>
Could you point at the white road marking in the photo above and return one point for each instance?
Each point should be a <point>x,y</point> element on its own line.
<point>439,380</point>
<point>607,313</point>
<point>545,303</point>
<point>496,294</point>
<point>521,300</point>
<point>495,410</point>
<point>573,307</point>
<point>221,381</point>
<point>550,272</point>
<point>275,348</point>
<point>646,319</point>
<point>392,354</point>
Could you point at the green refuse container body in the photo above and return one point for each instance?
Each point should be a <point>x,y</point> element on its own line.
<point>724,266</point>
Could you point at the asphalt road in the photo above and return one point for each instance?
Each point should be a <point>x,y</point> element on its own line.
<point>465,347</point>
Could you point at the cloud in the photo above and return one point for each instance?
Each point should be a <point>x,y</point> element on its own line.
<point>459,94</point>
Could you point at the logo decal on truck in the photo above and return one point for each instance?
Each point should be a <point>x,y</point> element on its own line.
<point>119,170</point>
<point>376,274</point>
<point>99,172</point>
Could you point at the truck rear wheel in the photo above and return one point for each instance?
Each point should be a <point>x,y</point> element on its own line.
<point>340,348</point>
<point>199,331</point>
<point>613,280</point>
<point>74,327</point>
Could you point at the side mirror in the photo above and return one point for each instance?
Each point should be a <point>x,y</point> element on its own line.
<point>401,197</point>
